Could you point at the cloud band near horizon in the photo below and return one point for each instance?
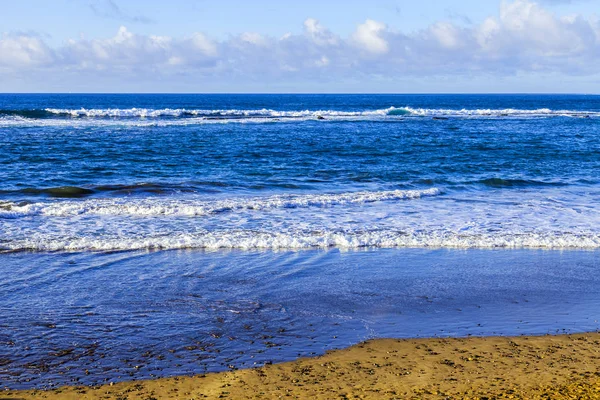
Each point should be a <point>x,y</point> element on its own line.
<point>523,38</point>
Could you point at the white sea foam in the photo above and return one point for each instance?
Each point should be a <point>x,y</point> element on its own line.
<point>16,121</point>
<point>252,240</point>
<point>548,218</point>
<point>257,113</point>
<point>170,112</point>
<point>196,207</point>
<point>147,117</point>
<point>507,112</point>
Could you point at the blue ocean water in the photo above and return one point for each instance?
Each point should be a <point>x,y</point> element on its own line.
<point>122,172</point>
<point>156,235</point>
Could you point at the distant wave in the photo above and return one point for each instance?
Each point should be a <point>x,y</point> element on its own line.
<point>507,112</point>
<point>190,208</point>
<point>270,115</point>
<point>216,114</point>
<point>253,240</point>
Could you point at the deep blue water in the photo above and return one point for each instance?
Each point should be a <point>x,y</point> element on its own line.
<point>185,233</point>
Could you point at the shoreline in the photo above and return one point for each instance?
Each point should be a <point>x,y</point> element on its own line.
<point>528,367</point>
<point>210,312</point>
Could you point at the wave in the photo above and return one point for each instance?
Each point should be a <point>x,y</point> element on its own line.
<point>253,240</point>
<point>270,114</point>
<point>506,112</point>
<point>195,208</point>
<point>215,114</point>
<point>175,117</point>
<point>545,218</point>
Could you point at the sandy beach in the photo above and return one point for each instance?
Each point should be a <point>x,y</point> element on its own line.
<point>526,367</point>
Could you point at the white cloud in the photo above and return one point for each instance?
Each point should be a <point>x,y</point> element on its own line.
<point>447,35</point>
<point>203,44</point>
<point>253,38</point>
<point>22,51</point>
<point>535,28</point>
<point>129,51</point>
<point>319,34</point>
<point>486,33</point>
<point>523,37</point>
<point>368,37</point>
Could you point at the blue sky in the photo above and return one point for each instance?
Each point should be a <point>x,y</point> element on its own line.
<point>302,46</point>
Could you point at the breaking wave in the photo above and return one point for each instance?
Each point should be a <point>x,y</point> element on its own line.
<point>507,112</point>
<point>268,113</point>
<point>396,218</point>
<point>211,114</point>
<point>182,116</point>
<point>253,240</point>
<point>193,208</point>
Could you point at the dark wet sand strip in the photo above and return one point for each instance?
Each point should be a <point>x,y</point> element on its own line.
<point>526,367</point>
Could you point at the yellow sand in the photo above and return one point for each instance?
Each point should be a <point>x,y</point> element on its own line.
<point>546,367</point>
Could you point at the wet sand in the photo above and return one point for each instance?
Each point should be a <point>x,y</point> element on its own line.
<point>525,367</point>
<point>90,319</point>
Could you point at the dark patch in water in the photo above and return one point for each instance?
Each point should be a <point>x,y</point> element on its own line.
<point>117,189</point>
<point>34,113</point>
<point>127,189</point>
<point>502,183</point>
<point>61,192</point>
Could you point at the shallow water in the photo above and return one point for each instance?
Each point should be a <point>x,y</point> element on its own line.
<point>92,318</point>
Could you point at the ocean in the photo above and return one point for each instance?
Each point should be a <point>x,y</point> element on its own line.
<point>154,235</point>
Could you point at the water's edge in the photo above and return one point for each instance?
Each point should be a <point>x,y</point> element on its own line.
<point>144,315</point>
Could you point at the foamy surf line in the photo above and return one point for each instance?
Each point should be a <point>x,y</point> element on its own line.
<point>222,113</point>
<point>147,117</point>
<point>195,208</point>
<point>390,111</point>
<point>252,240</point>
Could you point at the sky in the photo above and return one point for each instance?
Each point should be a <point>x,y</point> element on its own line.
<point>265,46</point>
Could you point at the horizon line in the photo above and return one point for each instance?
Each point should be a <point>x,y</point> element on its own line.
<point>309,93</point>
